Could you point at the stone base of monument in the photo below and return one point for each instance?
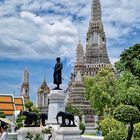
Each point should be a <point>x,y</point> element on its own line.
<point>67,133</point>
<point>22,132</point>
<point>56,104</point>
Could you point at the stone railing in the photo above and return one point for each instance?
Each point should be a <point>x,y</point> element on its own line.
<point>92,138</point>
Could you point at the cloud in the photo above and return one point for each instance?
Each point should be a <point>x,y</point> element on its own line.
<point>39,29</point>
<point>31,36</point>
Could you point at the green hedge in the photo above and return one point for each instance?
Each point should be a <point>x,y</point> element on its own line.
<point>136,133</point>
<point>115,135</point>
<point>127,114</point>
<point>109,124</point>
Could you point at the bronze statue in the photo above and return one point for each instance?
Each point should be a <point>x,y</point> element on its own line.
<point>68,116</point>
<point>57,78</point>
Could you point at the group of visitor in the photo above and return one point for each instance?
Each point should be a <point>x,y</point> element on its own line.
<point>3,134</point>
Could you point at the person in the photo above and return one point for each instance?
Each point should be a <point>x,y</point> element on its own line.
<point>57,78</point>
<point>3,132</point>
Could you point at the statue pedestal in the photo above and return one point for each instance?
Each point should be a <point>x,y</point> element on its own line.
<point>56,104</point>
<point>67,133</point>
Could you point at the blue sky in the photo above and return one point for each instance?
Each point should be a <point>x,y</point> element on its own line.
<point>34,32</point>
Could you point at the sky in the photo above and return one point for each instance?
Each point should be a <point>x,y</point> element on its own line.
<point>34,32</point>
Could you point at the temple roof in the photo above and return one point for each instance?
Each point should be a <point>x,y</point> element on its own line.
<point>19,103</point>
<point>9,104</point>
<point>44,88</point>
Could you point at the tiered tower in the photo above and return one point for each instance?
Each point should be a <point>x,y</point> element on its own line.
<point>79,64</point>
<point>89,64</point>
<point>42,97</point>
<point>77,99</point>
<point>96,53</point>
<point>25,85</point>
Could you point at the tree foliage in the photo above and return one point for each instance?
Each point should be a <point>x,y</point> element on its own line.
<point>35,109</point>
<point>115,135</point>
<point>28,104</point>
<point>74,110</point>
<point>127,114</point>
<point>130,60</point>
<point>109,124</point>
<point>99,90</point>
<point>137,130</point>
<point>128,90</point>
<point>19,121</point>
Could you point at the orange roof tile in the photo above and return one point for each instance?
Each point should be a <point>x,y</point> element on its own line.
<point>7,99</point>
<point>19,108</point>
<point>6,106</point>
<point>8,113</point>
<point>18,101</point>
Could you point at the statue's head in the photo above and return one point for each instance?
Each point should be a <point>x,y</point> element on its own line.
<point>58,59</point>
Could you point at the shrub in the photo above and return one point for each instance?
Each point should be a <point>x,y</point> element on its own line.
<point>115,135</point>
<point>19,120</point>
<point>136,133</point>
<point>109,124</point>
<point>127,114</point>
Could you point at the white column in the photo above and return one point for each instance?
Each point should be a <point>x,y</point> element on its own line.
<point>56,104</point>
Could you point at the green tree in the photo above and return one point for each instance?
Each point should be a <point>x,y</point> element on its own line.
<point>129,115</point>
<point>28,104</point>
<point>73,110</point>
<point>128,90</point>
<point>35,109</point>
<point>100,90</point>
<point>130,61</point>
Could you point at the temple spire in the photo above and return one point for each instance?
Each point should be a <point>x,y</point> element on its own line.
<point>25,85</point>
<point>79,53</point>
<point>26,75</point>
<point>96,10</point>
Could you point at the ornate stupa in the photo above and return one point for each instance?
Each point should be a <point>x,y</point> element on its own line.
<point>42,97</point>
